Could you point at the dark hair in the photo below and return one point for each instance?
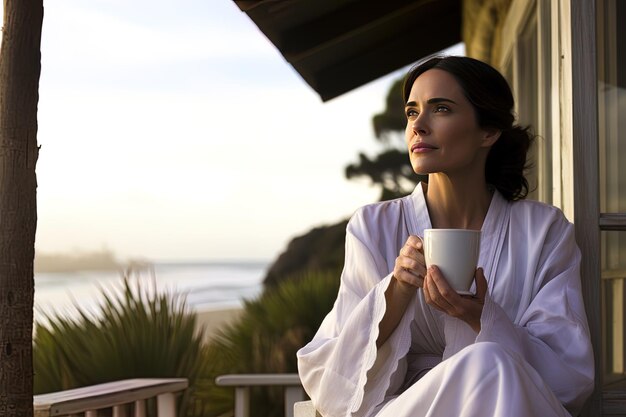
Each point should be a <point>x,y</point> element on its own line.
<point>490,95</point>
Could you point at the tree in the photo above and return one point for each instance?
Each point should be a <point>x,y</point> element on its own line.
<point>322,248</point>
<point>391,168</point>
<point>20,67</point>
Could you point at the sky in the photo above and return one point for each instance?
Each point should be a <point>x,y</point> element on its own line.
<point>174,130</point>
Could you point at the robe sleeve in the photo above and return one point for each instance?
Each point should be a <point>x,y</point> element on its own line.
<point>342,358</point>
<point>552,333</point>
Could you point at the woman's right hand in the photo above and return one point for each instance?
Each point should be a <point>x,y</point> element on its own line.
<point>410,267</point>
<point>408,275</point>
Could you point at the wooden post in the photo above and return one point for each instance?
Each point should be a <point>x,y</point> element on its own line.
<point>242,402</point>
<point>292,396</point>
<point>166,405</point>
<point>140,408</point>
<point>119,411</point>
<point>20,67</point>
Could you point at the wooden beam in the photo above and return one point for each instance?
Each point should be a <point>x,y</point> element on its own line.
<point>613,221</point>
<point>584,82</point>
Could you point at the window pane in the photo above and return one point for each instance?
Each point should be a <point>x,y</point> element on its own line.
<point>613,264</point>
<point>612,104</point>
<point>531,82</point>
<point>528,95</point>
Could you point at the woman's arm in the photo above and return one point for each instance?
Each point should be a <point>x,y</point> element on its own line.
<point>408,276</point>
<point>343,357</point>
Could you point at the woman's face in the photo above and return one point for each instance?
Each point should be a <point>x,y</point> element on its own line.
<point>442,131</point>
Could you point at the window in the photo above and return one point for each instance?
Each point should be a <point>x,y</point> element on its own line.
<point>613,264</point>
<point>526,65</point>
<point>612,163</point>
<point>612,105</point>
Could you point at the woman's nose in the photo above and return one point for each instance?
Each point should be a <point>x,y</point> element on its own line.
<point>420,127</point>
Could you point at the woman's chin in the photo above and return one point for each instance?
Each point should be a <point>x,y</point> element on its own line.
<point>421,170</point>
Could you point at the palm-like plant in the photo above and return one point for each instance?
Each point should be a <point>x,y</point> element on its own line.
<point>266,338</point>
<point>139,333</point>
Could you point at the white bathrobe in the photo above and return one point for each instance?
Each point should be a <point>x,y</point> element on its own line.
<point>532,356</point>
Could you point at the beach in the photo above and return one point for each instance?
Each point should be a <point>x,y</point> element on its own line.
<point>211,320</point>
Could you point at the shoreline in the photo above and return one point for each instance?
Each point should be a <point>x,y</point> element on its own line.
<point>208,319</point>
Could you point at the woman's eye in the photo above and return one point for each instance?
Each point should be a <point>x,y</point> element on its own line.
<point>411,113</point>
<point>441,108</point>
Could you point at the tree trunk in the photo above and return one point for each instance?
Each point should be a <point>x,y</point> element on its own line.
<point>20,66</point>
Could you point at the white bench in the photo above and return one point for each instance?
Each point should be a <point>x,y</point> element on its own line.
<point>305,409</point>
<point>117,395</point>
<point>242,383</point>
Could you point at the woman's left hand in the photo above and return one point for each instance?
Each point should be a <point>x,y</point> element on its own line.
<point>441,296</point>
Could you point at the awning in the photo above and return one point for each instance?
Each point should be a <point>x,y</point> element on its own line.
<point>338,45</point>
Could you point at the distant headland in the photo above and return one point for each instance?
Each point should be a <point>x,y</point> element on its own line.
<point>103,260</point>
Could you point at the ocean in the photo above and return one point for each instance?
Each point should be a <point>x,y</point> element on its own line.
<point>204,285</point>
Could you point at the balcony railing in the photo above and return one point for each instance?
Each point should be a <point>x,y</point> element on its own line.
<point>242,382</point>
<point>127,398</point>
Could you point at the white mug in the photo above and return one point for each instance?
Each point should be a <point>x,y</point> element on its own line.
<point>455,252</point>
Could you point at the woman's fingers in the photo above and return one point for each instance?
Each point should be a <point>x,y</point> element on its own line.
<point>409,277</point>
<point>440,294</point>
<point>415,242</point>
<point>410,265</point>
<point>408,271</point>
<point>413,248</point>
<point>481,284</point>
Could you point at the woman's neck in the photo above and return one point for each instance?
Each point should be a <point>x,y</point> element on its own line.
<point>459,203</point>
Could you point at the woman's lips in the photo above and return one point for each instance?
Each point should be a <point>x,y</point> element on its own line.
<point>422,147</point>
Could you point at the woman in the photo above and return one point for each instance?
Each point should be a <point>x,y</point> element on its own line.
<point>398,341</point>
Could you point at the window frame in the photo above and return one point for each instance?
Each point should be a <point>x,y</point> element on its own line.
<point>575,168</point>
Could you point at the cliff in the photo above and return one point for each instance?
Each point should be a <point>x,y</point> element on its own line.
<point>322,248</point>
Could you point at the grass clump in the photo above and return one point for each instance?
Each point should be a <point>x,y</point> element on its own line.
<point>138,334</point>
<point>266,338</point>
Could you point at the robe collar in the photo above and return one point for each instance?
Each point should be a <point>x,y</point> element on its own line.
<point>419,219</point>
<point>493,228</point>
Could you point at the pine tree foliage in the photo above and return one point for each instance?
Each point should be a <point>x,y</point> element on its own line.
<point>390,169</point>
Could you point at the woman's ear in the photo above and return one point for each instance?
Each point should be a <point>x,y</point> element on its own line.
<point>491,136</point>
